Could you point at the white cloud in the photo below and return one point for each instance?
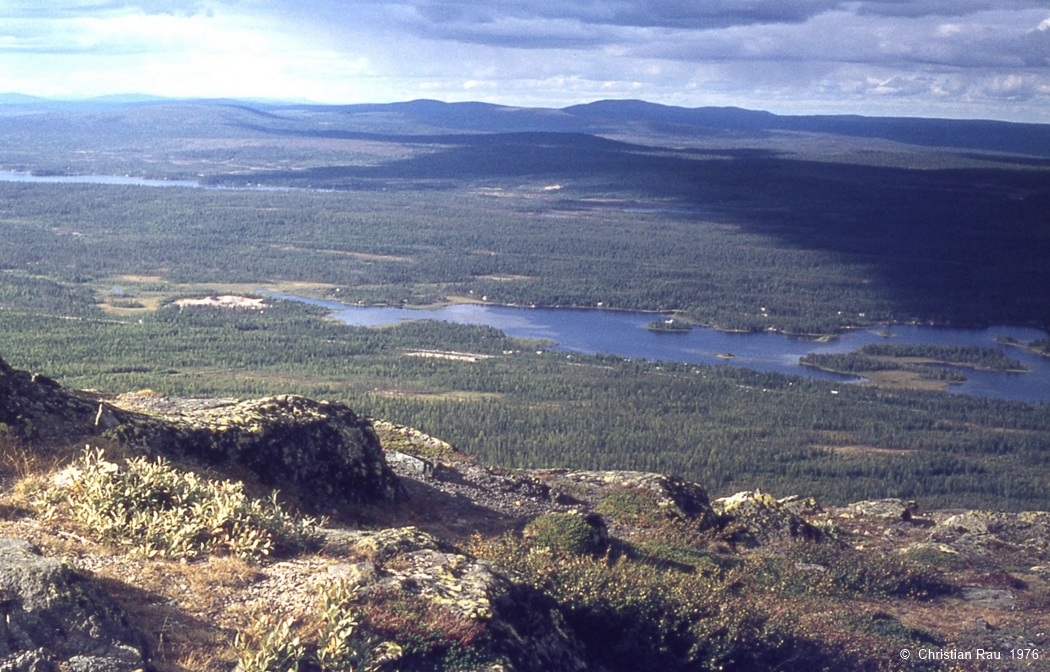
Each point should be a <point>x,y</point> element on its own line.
<point>868,56</point>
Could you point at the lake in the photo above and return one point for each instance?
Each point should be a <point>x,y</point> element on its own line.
<point>623,333</point>
<point>14,176</point>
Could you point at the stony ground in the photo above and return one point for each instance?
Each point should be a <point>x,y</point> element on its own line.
<point>997,564</point>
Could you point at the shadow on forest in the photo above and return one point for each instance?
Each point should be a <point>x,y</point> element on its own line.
<point>961,246</point>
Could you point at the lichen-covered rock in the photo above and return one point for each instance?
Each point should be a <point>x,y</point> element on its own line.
<point>410,464</point>
<point>412,441</point>
<point>988,597</point>
<point>755,519</point>
<point>893,509</point>
<point>1027,531</point>
<point>55,619</point>
<point>381,545</point>
<point>34,408</point>
<point>520,627</point>
<point>321,449</point>
<point>675,497</point>
<point>801,506</point>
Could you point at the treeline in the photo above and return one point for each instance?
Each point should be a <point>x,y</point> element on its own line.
<point>859,364</point>
<point>1039,346</point>
<point>725,427</point>
<point>964,355</point>
<point>849,362</point>
<point>410,247</point>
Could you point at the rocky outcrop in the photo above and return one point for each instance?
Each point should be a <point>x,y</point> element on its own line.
<point>55,619</point>
<point>321,449</point>
<point>412,441</point>
<point>36,409</point>
<point>672,497</point>
<point>1027,532</point>
<point>521,629</point>
<point>891,509</point>
<point>755,519</point>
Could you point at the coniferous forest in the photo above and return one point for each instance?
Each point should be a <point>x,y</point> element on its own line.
<point>802,232</point>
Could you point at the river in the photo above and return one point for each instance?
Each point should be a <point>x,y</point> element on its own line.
<point>623,333</point>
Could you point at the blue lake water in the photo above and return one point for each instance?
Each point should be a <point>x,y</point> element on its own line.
<point>14,176</point>
<point>624,334</point>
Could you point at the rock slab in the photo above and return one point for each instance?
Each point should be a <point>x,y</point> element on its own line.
<point>53,618</point>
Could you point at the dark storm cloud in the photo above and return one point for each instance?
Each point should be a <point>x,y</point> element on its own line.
<point>943,8</point>
<point>857,39</point>
<point>641,14</point>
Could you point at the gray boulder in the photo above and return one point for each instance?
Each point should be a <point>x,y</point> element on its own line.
<point>1027,532</point>
<point>754,519</point>
<point>671,496</point>
<point>53,618</point>
<point>890,509</point>
<point>322,450</point>
<point>521,629</point>
<point>36,409</point>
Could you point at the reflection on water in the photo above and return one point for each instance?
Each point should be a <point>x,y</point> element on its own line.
<point>624,334</point>
<point>13,176</point>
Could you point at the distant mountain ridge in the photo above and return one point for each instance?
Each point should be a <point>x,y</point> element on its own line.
<point>611,116</point>
<point>606,115</point>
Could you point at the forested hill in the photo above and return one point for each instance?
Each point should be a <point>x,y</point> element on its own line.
<point>612,116</point>
<point>1033,139</point>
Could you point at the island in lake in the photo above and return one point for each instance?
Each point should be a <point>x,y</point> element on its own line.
<point>670,326</point>
<point>1040,347</point>
<point>907,365</point>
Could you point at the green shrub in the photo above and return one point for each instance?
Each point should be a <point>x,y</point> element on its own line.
<point>273,644</point>
<point>269,645</point>
<point>157,510</point>
<point>832,570</point>
<point>634,616</point>
<point>630,504</point>
<point>565,534</point>
<point>432,638</point>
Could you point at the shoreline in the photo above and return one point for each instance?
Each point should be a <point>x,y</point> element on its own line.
<point>1023,346</point>
<point>677,314</point>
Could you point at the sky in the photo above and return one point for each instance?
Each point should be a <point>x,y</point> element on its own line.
<point>933,58</point>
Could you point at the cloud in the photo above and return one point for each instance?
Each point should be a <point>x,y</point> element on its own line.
<point>943,8</point>
<point>32,9</point>
<point>787,55</point>
<point>623,13</point>
<point>985,40</point>
<point>1016,87</point>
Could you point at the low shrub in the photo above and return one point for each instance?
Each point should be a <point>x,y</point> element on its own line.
<point>631,505</point>
<point>634,616</point>
<point>567,533</point>
<point>333,642</point>
<point>828,569</point>
<point>157,510</point>
<point>432,638</point>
